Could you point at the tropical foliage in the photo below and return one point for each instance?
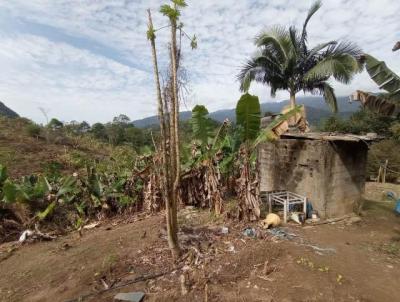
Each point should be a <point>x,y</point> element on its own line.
<point>387,102</point>
<point>284,61</point>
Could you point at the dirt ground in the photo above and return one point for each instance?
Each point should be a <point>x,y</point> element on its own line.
<point>344,261</point>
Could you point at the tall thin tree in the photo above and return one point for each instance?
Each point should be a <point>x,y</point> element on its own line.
<point>169,119</point>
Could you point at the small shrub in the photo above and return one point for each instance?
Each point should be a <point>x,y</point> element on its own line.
<point>379,153</point>
<point>53,170</point>
<point>33,130</point>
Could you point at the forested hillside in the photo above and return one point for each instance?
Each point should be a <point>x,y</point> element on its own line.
<point>5,111</point>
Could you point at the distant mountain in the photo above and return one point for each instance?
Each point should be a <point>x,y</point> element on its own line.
<point>5,111</point>
<point>316,109</point>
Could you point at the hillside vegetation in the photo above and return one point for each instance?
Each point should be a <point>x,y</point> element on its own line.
<point>25,149</point>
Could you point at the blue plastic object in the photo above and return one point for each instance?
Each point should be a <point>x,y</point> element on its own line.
<point>397,207</point>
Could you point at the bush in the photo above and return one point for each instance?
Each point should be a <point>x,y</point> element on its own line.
<point>379,153</point>
<point>360,122</point>
<point>33,130</point>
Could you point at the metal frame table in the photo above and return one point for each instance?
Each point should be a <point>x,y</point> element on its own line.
<point>286,199</point>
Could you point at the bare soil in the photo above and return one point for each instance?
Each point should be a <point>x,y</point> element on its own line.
<point>345,261</point>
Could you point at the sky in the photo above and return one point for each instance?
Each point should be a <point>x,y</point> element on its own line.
<point>90,59</point>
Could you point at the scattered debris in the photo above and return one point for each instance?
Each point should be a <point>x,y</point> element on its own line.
<point>184,287</point>
<point>131,297</point>
<point>297,217</point>
<point>250,232</point>
<point>354,219</point>
<point>29,235</point>
<point>281,233</point>
<point>320,250</point>
<point>25,235</point>
<point>91,225</point>
<point>224,230</point>
<point>106,286</point>
<point>349,220</point>
<point>231,249</point>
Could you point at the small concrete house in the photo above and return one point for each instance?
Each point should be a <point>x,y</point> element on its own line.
<point>327,169</point>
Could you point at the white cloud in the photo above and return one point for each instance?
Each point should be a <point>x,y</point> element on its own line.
<point>81,83</point>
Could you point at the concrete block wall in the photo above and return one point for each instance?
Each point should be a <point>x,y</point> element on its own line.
<point>330,174</point>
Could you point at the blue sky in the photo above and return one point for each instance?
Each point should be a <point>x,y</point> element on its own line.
<point>90,60</point>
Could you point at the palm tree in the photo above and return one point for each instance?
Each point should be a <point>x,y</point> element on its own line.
<point>284,61</point>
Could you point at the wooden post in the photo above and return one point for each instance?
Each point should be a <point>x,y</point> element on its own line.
<point>378,178</point>
<point>384,171</point>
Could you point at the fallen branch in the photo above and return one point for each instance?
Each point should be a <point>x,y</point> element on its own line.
<point>331,220</point>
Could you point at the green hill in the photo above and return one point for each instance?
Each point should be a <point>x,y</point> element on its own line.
<point>5,111</point>
<point>316,110</point>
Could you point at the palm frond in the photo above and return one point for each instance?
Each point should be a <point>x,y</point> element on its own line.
<point>315,50</point>
<point>295,40</point>
<point>330,97</point>
<point>277,40</point>
<point>262,68</point>
<point>342,68</point>
<point>248,73</point>
<point>313,9</point>
<point>343,48</point>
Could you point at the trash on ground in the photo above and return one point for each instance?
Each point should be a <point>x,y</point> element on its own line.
<point>320,250</point>
<point>397,208</point>
<point>34,235</point>
<point>281,233</point>
<point>131,297</point>
<point>297,217</point>
<point>272,220</point>
<point>231,249</point>
<point>224,230</point>
<point>91,225</point>
<point>250,232</point>
<point>25,235</point>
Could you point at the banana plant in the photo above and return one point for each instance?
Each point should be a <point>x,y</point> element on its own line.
<point>248,117</point>
<point>66,192</point>
<point>201,125</point>
<point>388,102</point>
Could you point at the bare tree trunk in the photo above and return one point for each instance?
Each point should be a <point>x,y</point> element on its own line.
<point>175,109</point>
<point>168,168</point>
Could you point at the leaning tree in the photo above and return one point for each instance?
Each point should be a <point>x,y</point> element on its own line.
<point>284,61</point>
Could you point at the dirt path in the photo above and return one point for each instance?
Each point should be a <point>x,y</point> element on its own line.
<point>364,266</point>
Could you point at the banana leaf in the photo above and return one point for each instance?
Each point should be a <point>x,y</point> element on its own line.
<point>248,116</point>
<point>201,124</point>
<point>268,134</point>
<point>384,77</point>
<point>376,103</point>
<point>68,187</point>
